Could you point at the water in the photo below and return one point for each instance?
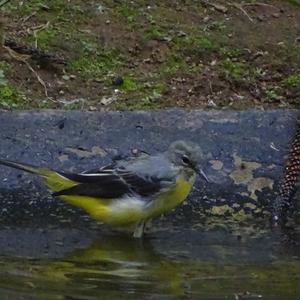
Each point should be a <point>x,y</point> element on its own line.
<point>172,262</point>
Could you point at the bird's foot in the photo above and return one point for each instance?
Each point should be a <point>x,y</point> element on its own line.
<point>139,230</point>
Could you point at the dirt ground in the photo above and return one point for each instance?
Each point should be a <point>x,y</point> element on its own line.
<point>127,55</point>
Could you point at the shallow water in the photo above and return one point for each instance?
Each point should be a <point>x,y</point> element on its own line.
<point>177,262</point>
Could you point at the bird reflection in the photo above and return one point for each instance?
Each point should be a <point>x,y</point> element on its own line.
<point>118,262</point>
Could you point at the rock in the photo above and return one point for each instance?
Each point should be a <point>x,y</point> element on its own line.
<point>117,81</point>
<point>108,100</point>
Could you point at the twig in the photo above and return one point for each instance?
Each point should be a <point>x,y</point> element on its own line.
<point>259,4</point>
<point>40,80</point>
<point>24,58</point>
<point>240,7</point>
<point>210,87</point>
<point>25,19</point>
<point>2,3</point>
<point>38,29</point>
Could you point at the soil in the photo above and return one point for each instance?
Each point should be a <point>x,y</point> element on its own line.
<point>108,55</point>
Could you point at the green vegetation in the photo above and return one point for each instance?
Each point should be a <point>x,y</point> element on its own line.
<point>273,94</point>
<point>130,85</point>
<point>95,62</point>
<point>238,72</point>
<point>295,2</point>
<point>10,97</point>
<point>172,65</point>
<point>155,32</point>
<point>150,45</point>
<point>292,81</point>
<point>130,14</point>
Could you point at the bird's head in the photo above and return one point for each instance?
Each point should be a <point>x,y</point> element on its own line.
<point>186,154</point>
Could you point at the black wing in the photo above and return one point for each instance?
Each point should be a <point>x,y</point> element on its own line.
<point>110,183</point>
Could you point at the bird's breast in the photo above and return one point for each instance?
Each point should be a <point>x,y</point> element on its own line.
<point>172,198</point>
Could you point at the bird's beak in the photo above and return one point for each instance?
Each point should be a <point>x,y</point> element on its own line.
<point>202,174</point>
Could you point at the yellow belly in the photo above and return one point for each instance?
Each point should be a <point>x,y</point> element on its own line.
<point>130,210</point>
<point>169,200</point>
<point>121,212</point>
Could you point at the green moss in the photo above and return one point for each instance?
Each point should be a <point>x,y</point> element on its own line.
<point>10,97</point>
<point>43,8</point>
<point>195,42</point>
<point>273,94</point>
<point>101,63</point>
<point>172,65</point>
<point>130,85</point>
<point>235,70</point>
<point>147,103</point>
<point>130,14</point>
<point>230,52</point>
<point>292,81</point>
<point>142,98</point>
<point>46,39</point>
<point>239,73</point>
<point>5,67</point>
<point>203,43</point>
<point>155,32</point>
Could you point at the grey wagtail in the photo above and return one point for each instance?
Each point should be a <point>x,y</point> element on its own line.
<point>128,193</point>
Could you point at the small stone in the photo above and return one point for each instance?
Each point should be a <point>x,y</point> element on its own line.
<point>63,158</point>
<point>98,80</point>
<point>181,33</point>
<point>276,15</point>
<point>98,151</point>
<point>100,9</point>
<point>108,100</point>
<point>72,77</point>
<point>117,81</point>
<point>218,7</point>
<point>107,22</point>
<point>66,77</point>
<point>135,151</point>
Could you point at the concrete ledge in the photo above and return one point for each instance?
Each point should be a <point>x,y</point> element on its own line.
<point>244,154</point>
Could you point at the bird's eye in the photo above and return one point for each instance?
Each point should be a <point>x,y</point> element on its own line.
<point>185,160</point>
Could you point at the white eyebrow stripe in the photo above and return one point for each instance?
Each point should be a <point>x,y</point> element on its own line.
<point>96,174</point>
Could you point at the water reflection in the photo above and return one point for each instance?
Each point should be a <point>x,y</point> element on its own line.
<point>116,267</point>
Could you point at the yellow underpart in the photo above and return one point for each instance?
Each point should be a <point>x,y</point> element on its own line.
<point>111,211</point>
<point>96,207</point>
<point>121,212</point>
<point>170,199</point>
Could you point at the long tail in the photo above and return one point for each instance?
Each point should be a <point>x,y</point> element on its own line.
<point>25,167</point>
<point>54,180</point>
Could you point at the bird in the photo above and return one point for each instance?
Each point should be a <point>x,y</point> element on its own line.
<point>129,192</point>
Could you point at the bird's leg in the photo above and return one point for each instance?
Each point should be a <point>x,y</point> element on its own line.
<point>148,225</point>
<point>139,230</point>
